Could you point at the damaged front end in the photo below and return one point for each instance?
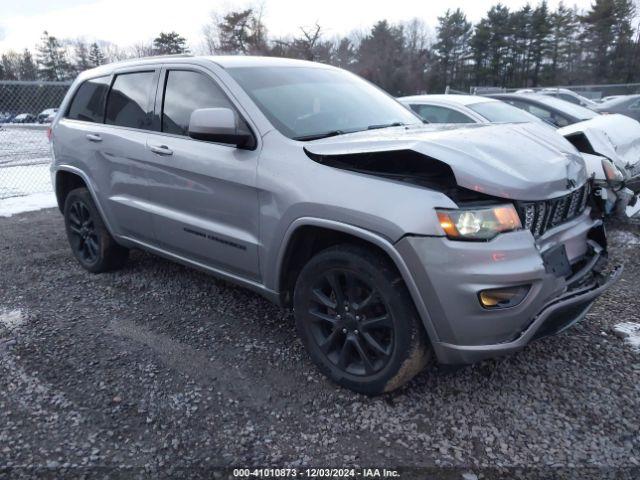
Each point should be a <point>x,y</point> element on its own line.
<point>611,148</point>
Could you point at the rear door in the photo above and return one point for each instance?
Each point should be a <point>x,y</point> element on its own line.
<point>123,143</point>
<point>103,133</point>
<point>205,200</point>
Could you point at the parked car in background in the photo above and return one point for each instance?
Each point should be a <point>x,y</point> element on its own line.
<point>6,117</point>
<point>609,181</point>
<point>616,137</point>
<point>46,116</point>
<point>628,105</point>
<point>610,97</point>
<point>391,239</point>
<point>465,109</point>
<point>550,109</point>
<point>568,96</point>
<point>24,118</point>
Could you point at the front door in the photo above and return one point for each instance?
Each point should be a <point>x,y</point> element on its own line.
<point>204,195</point>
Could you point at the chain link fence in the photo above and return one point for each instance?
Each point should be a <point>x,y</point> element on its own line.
<point>26,108</point>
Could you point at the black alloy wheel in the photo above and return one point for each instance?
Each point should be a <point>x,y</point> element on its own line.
<point>83,237</point>
<point>90,241</point>
<point>357,320</point>
<point>351,323</point>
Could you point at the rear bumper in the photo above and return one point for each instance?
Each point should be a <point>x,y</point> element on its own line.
<point>450,274</point>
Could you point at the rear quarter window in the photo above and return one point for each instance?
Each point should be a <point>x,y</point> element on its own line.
<point>88,102</point>
<point>128,103</point>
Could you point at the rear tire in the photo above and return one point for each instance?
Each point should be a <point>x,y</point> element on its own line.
<point>90,241</point>
<point>357,320</point>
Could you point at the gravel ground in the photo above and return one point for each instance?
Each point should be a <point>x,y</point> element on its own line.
<point>160,368</point>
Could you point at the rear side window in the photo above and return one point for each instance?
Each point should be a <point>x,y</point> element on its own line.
<point>435,114</point>
<point>185,92</point>
<point>128,101</point>
<point>88,102</point>
<point>568,98</point>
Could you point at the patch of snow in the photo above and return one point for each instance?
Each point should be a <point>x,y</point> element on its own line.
<point>630,332</point>
<point>24,179</point>
<point>27,203</point>
<point>624,238</point>
<point>12,319</point>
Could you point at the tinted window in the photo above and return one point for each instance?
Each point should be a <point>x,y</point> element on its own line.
<point>501,112</point>
<point>306,103</point>
<point>548,116</point>
<point>569,98</point>
<point>435,114</point>
<point>128,101</point>
<point>569,109</point>
<point>88,102</point>
<point>184,93</point>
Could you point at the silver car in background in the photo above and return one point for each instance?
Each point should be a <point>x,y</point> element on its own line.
<point>393,241</point>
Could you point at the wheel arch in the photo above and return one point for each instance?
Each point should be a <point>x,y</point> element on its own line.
<point>68,178</point>
<point>306,236</point>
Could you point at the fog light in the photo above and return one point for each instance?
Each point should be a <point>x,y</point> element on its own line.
<point>503,297</point>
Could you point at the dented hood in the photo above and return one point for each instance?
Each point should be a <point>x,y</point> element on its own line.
<point>504,160</point>
<point>616,137</point>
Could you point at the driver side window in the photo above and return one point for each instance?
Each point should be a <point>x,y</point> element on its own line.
<point>186,91</point>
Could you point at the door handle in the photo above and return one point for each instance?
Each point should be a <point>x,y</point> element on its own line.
<point>161,150</point>
<point>94,137</point>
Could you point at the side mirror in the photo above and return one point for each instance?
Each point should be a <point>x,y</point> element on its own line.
<point>219,125</point>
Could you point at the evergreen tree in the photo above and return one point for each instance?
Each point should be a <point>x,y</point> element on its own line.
<point>169,43</point>
<point>599,36</point>
<point>52,59</point>
<point>344,54</point>
<point>238,32</point>
<point>480,51</point>
<point>381,57</point>
<point>81,52</point>
<point>622,61</point>
<point>96,57</point>
<point>565,49</point>
<point>452,45</point>
<point>11,61</point>
<point>540,31</point>
<point>28,67</point>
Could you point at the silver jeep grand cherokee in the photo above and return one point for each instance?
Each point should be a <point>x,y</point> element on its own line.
<point>392,240</point>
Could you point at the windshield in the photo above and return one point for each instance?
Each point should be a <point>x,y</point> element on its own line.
<point>502,112</point>
<point>563,106</point>
<point>308,103</point>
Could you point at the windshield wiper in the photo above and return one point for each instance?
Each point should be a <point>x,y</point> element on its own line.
<point>318,136</point>
<point>385,125</point>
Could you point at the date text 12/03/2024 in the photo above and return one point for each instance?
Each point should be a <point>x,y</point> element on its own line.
<point>316,472</point>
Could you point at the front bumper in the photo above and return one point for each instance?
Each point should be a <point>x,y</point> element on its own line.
<point>449,275</point>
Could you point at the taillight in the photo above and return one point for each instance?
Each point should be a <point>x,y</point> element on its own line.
<point>49,133</point>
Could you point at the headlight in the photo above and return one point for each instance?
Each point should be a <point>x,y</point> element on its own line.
<point>611,172</point>
<point>479,223</point>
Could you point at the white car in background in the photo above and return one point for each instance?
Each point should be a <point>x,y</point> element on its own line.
<point>590,137</point>
<point>568,96</point>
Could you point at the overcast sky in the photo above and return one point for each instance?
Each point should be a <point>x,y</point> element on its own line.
<point>127,22</point>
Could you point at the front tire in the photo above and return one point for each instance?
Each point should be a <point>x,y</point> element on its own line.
<point>357,320</point>
<point>90,241</point>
